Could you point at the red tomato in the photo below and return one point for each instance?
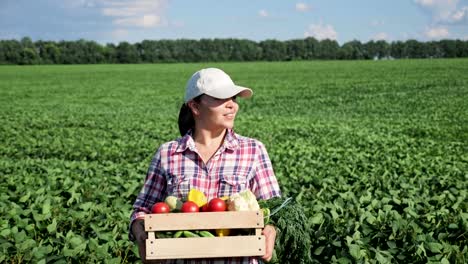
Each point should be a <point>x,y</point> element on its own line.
<point>160,208</point>
<point>217,205</point>
<point>205,208</point>
<point>189,207</point>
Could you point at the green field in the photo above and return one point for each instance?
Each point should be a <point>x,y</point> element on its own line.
<point>376,151</point>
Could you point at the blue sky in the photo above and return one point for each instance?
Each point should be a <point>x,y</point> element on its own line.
<point>135,20</point>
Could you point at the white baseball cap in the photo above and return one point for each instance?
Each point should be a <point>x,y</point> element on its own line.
<point>213,82</point>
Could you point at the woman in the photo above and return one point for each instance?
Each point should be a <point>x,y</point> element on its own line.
<point>209,157</point>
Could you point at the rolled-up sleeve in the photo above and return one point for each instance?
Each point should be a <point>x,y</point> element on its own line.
<point>152,191</point>
<point>264,184</point>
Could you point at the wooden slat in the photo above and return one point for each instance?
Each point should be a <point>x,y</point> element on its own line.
<point>205,247</point>
<point>258,231</point>
<point>203,221</point>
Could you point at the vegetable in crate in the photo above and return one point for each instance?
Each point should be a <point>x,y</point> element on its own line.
<point>160,208</point>
<point>197,197</point>
<point>293,242</point>
<point>175,204</point>
<point>243,201</point>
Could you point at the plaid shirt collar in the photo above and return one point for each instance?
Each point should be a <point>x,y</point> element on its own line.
<point>230,142</point>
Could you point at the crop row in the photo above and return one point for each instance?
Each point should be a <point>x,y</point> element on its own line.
<point>376,152</point>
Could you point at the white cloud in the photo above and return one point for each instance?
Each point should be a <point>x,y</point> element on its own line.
<point>437,32</point>
<point>263,13</point>
<point>134,13</point>
<point>320,31</point>
<point>445,11</point>
<point>302,7</point>
<point>78,3</point>
<point>145,21</point>
<point>381,36</point>
<point>132,8</point>
<point>425,2</point>
<point>460,15</point>
<point>437,3</point>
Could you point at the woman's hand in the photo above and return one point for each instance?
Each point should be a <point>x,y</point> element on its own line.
<point>138,231</point>
<point>270,235</point>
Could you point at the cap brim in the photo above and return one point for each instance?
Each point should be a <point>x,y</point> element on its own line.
<point>231,92</point>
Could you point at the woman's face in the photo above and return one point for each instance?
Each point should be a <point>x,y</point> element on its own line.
<point>216,113</point>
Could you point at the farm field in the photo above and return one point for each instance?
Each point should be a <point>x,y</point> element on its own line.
<point>375,151</point>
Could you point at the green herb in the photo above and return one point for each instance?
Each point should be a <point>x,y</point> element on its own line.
<point>292,231</point>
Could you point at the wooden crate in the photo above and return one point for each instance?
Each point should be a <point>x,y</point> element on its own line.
<point>204,247</point>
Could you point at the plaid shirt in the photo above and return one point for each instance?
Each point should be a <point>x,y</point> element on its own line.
<point>240,163</point>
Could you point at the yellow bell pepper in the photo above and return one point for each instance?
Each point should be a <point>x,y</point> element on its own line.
<point>197,197</point>
<point>222,232</point>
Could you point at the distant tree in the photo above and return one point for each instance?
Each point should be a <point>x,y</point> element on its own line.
<point>195,51</point>
<point>110,53</point>
<point>93,53</point>
<point>28,52</point>
<point>352,50</point>
<point>204,50</point>
<point>73,52</point>
<point>127,53</point>
<point>273,50</point>
<point>11,50</point>
<point>236,53</point>
<point>413,49</point>
<point>243,50</point>
<point>29,57</point>
<point>449,48</point>
<point>165,48</point>
<point>26,42</point>
<point>396,48</point>
<point>382,49</point>
<point>52,52</point>
<point>371,49</point>
<point>432,50</point>
<point>207,49</point>
<point>147,50</point>
<point>462,48</point>
<point>25,51</point>
<point>377,49</point>
<point>183,50</point>
<point>48,52</point>
<point>3,59</point>
<point>312,46</point>
<point>227,49</point>
<point>296,49</point>
<point>328,49</point>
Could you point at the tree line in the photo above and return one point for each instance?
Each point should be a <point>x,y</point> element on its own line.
<point>27,52</point>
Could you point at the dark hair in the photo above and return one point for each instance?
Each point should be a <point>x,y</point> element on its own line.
<point>186,120</point>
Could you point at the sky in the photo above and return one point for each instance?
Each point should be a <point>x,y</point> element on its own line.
<point>113,21</point>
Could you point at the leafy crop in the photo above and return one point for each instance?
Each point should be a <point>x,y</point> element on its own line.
<point>292,244</point>
<point>375,151</point>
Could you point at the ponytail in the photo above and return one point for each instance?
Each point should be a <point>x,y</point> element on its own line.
<point>186,120</point>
